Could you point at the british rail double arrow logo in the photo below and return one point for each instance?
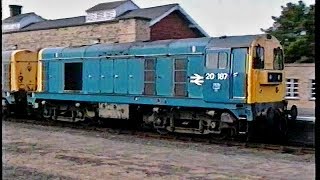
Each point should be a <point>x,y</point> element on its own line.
<point>196,79</point>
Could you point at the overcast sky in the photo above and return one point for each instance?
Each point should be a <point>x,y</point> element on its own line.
<point>216,17</point>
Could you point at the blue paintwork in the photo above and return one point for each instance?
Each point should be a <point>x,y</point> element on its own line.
<point>50,70</point>
<point>120,76</point>
<point>238,81</point>
<point>195,91</point>
<point>136,76</point>
<point>106,72</point>
<point>184,45</point>
<point>121,79</point>
<point>91,76</point>
<point>164,79</point>
<point>55,80</point>
<point>221,94</point>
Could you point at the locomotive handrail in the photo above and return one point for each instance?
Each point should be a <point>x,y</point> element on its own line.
<point>121,56</point>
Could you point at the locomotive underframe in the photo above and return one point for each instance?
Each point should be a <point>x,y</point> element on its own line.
<point>272,117</point>
<point>161,118</point>
<point>195,121</point>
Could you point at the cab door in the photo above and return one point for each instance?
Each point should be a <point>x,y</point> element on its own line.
<point>55,78</point>
<point>238,70</point>
<point>216,84</point>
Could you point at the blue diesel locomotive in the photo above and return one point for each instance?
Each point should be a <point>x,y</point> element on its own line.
<point>202,85</point>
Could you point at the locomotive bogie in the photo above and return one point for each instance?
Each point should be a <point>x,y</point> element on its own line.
<point>195,121</point>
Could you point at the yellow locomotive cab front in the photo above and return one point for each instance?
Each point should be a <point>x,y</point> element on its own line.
<point>24,65</point>
<point>266,81</point>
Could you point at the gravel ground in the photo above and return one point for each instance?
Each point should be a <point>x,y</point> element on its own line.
<point>38,152</point>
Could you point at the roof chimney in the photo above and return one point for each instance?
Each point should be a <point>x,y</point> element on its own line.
<point>15,10</point>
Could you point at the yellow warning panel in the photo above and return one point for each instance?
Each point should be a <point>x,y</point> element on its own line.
<point>24,65</point>
<point>266,83</point>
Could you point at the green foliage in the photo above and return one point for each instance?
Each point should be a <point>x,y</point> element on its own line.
<point>295,29</point>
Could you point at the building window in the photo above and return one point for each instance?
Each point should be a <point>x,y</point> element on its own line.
<point>292,89</point>
<point>313,90</point>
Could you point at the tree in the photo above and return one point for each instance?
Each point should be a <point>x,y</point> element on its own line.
<point>295,30</point>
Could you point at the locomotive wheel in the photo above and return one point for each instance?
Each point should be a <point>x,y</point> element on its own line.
<point>162,131</point>
<point>46,113</point>
<point>250,132</point>
<point>224,134</point>
<point>280,126</point>
<point>293,112</point>
<point>270,116</point>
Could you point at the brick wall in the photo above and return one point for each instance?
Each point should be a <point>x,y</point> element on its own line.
<point>172,27</point>
<point>128,30</point>
<point>304,73</point>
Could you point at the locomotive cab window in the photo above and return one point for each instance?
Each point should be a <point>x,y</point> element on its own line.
<point>73,76</point>
<point>258,57</point>
<point>217,60</point>
<point>278,59</point>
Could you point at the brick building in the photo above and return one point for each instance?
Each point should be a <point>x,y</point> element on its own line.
<point>119,21</point>
<point>301,87</point>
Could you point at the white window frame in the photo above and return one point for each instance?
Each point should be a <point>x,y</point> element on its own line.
<point>312,87</point>
<point>291,88</point>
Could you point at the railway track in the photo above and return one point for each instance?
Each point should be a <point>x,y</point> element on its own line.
<point>291,148</point>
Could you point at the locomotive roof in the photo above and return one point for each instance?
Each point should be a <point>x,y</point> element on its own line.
<point>233,41</point>
<point>221,42</point>
<point>159,47</point>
